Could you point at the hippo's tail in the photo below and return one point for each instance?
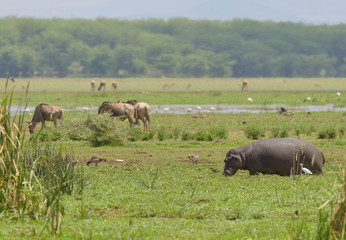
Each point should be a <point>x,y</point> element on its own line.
<point>324,160</point>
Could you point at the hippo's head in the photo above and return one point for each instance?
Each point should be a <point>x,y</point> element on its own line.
<point>233,162</point>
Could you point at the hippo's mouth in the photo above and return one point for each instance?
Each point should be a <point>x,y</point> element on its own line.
<point>228,172</point>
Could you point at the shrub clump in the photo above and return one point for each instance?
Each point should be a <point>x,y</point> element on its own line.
<point>104,131</point>
<point>255,133</point>
<point>328,133</point>
<point>186,136</point>
<point>50,135</point>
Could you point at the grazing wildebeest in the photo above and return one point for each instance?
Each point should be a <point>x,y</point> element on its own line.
<point>142,110</point>
<point>283,156</point>
<point>125,110</point>
<point>143,113</point>
<point>92,85</point>
<point>102,85</point>
<point>244,86</point>
<point>114,85</point>
<point>45,112</point>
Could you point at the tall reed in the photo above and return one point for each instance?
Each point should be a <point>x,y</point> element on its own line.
<point>33,177</point>
<point>14,187</point>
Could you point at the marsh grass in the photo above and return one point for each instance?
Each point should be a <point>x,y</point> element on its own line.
<point>186,201</point>
<point>32,178</point>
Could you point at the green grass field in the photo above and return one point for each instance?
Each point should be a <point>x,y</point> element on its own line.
<point>157,193</point>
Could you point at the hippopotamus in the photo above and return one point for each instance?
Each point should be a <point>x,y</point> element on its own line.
<point>283,156</point>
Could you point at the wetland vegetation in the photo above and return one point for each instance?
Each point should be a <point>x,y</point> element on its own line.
<point>156,192</point>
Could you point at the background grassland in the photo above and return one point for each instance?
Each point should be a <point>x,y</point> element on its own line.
<point>181,84</point>
<point>157,193</point>
<point>69,92</point>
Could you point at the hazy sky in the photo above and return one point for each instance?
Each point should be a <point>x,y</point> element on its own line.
<point>91,8</point>
<point>310,11</point>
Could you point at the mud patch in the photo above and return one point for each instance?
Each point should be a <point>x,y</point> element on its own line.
<point>115,212</point>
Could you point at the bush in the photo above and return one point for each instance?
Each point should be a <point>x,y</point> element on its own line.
<point>329,133</point>
<point>275,132</point>
<point>219,133</point>
<point>203,136</point>
<point>79,134</point>
<point>255,133</point>
<point>186,136</point>
<point>310,130</point>
<point>104,131</point>
<point>284,133</point>
<point>47,135</point>
<point>161,135</point>
<point>135,134</point>
<point>176,133</point>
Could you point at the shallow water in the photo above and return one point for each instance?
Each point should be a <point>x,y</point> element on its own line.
<point>190,109</point>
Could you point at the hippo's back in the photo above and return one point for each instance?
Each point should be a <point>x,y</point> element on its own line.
<point>279,155</point>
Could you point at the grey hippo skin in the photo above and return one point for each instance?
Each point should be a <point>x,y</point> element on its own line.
<point>275,156</point>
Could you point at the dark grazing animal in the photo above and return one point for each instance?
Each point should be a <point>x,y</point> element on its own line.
<point>102,85</point>
<point>45,112</point>
<point>244,86</point>
<point>123,110</point>
<point>282,156</point>
<point>142,112</point>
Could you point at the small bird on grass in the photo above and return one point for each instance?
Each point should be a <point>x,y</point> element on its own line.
<point>96,160</point>
<point>193,157</point>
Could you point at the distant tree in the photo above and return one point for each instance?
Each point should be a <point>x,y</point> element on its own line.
<point>75,69</point>
<point>195,65</point>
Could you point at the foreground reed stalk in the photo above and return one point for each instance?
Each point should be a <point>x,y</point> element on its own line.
<point>33,177</point>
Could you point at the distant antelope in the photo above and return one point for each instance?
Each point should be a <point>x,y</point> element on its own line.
<point>244,86</point>
<point>102,85</point>
<point>114,85</point>
<point>92,85</point>
<point>188,86</point>
<point>23,87</point>
<point>174,84</point>
<point>165,86</point>
<point>317,85</point>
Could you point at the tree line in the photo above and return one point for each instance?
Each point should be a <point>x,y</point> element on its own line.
<point>177,47</point>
